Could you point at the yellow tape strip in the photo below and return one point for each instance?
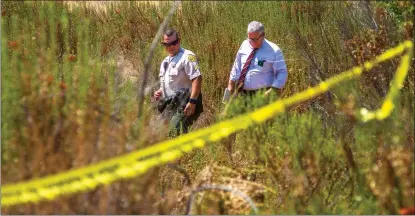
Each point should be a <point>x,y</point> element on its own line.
<point>136,163</point>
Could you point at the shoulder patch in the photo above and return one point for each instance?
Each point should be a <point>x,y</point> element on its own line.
<point>191,58</point>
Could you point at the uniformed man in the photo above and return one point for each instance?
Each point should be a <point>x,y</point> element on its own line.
<point>259,65</point>
<point>179,96</point>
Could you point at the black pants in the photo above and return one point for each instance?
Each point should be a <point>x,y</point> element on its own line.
<point>252,93</point>
<point>248,101</point>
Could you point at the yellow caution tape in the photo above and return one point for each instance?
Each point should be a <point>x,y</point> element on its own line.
<point>136,163</point>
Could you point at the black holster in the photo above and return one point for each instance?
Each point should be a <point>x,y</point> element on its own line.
<point>178,100</point>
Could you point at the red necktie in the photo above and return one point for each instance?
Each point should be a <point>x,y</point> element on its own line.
<point>245,70</point>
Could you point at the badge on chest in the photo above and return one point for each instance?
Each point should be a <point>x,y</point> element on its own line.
<point>261,62</point>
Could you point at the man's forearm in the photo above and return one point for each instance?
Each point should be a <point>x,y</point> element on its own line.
<point>231,85</point>
<point>196,87</point>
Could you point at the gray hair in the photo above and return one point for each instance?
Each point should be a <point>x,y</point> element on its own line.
<point>255,26</point>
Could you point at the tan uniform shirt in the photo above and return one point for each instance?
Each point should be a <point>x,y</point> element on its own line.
<point>177,72</point>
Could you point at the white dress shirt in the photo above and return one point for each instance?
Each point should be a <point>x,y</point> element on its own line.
<point>267,68</point>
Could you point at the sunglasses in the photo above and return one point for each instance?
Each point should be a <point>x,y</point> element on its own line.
<point>171,43</point>
<point>256,39</point>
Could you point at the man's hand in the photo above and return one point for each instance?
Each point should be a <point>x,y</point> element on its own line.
<point>231,86</point>
<point>157,94</point>
<point>190,109</point>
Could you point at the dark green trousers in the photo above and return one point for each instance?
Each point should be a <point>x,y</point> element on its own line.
<point>180,123</point>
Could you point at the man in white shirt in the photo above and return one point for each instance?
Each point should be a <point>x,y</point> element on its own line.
<point>179,96</point>
<point>259,67</point>
<point>259,64</point>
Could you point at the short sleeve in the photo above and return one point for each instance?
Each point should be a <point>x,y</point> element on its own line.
<point>192,66</point>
